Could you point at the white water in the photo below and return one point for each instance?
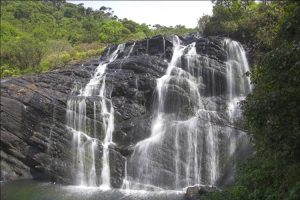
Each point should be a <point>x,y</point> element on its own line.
<point>184,146</point>
<point>183,151</point>
<point>238,83</point>
<point>131,49</point>
<point>85,142</point>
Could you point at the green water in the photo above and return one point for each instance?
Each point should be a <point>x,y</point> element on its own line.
<point>34,190</point>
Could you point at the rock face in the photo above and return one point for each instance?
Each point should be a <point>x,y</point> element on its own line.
<point>35,141</point>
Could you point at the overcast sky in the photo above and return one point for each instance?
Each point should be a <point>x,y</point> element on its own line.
<point>168,13</point>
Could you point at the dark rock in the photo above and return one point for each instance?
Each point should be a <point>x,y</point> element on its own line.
<point>191,37</point>
<point>34,140</point>
<point>207,189</point>
<point>117,167</point>
<point>195,192</point>
<point>192,193</point>
<point>211,47</point>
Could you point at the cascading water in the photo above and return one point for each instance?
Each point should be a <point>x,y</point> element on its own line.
<point>85,142</point>
<point>238,83</point>
<point>184,147</point>
<point>188,143</point>
<point>131,49</point>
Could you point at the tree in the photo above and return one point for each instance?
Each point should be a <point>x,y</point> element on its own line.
<point>112,32</point>
<point>103,8</point>
<point>202,23</point>
<point>22,13</point>
<point>24,52</point>
<point>88,25</point>
<point>70,12</point>
<point>130,25</point>
<point>89,11</point>
<point>57,3</point>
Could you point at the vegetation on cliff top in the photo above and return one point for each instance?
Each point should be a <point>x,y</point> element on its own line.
<point>40,35</point>
<point>271,31</point>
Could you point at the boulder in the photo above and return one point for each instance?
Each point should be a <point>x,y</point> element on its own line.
<point>195,192</point>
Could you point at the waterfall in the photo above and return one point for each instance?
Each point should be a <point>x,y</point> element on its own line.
<point>164,47</point>
<point>85,141</point>
<point>184,147</point>
<point>189,140</point>
<point>131,49</point>
<point>238,84</point>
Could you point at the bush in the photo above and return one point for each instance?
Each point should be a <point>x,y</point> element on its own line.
<point>7,71</point>
<point>23,52</point>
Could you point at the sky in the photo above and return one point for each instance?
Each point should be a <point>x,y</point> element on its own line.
<point>167,13</point>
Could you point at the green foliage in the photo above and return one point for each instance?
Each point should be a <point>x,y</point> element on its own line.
<point>202,22</point>
<point>112,32</point>
<point>6,70</point>
<point>40,35</point>
<point>254,24</point>
<point>8,31</point>
<point>178,30</point>
<point>23,52</point>
<point>272,110</point>
<point>22,12</point>
<point>295,192</point>
<point>262,178</point>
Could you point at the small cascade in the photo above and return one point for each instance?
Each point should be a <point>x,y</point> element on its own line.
<point>108,122</point>
<point>83,145</point>
<point>131,49</point>
<point>238,84</point>
<point>85,140</point>
<point>125,184</point>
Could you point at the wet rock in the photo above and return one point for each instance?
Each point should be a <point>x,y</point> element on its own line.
<point>117,167</point>
<point>211,47</point>
<point>195,192</point>
<point>34,140</point>
<point>192,193</point>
